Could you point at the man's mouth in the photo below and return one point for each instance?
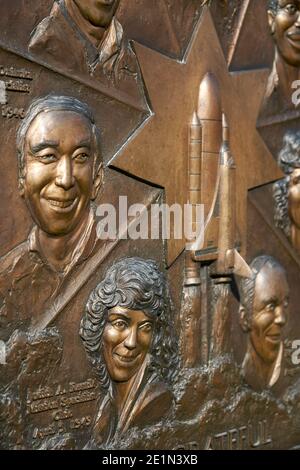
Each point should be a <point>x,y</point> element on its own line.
<point>62,205</point>
<point>294,39</point>
<point>274,337</point>
<point>106,3</point>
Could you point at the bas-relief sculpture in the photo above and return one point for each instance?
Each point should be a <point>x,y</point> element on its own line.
<point>284,22</point>
<point>263,315</point>
<point>128,335</point>
<point>84,37</point>
<point>147,388</point>
<point>60,174</point>
<point>286,191</point>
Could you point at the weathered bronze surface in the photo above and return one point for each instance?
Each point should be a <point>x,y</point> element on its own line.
<point>118,333</point>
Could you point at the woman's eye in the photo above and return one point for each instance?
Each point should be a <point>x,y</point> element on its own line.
<point>82,157</point>
<point>119,325</point>
<point>146,327</point>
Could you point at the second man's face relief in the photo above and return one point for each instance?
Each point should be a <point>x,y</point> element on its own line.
<point>285,26</point>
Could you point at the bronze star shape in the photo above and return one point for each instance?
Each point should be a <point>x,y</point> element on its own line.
<point>158,152</point>
<point>164,24</point>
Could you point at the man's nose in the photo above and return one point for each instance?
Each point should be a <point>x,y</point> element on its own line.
<point>131,340</point>
<point>280,316</point>
<point>298,20</point>
<point>64,173</point>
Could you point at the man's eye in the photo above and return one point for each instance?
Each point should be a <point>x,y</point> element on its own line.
<point>82,157</point>
<point>49,158</point>
<point>296,180</point>
<point>291,9</point>
<point>270,307</point>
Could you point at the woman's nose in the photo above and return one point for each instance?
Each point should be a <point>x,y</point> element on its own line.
<point>131,340</point>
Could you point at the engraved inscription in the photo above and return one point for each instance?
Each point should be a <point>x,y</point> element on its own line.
<point>12,112</point>
<point>2,92</point>
<point>13,80</point>
<point>60,399</point>
<point>245,437</point>
<point>17,85</point>
<point>16,79</point>
<point>48,398</point>
<point>15,73</point>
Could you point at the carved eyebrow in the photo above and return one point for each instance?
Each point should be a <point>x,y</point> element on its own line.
<point>84,143</point>
<point>146,321</point>
<point>54,144</point>
<point>44,145</point>
<point>272,300</point>
<point>119,315</point>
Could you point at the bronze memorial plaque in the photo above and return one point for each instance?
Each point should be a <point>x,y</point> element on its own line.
<point>149,224</point>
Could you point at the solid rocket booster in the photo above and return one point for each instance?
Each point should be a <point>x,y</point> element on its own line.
<point>226,259</point>
<point>192,275</point>
<point>195,149</point>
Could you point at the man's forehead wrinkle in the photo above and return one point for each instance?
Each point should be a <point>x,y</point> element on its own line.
<point>44,130</point>
<point>266,292</point>
<point>44,119</point>
<point>265,299</point>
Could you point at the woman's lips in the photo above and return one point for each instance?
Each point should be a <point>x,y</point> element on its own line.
<point>126,360</point>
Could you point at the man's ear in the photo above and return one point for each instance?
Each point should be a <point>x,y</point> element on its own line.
<point>98,182</point>
<point>271,21</point>
<point>244,322</point>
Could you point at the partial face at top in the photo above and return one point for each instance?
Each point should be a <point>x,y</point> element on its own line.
<point>270,312</point>
<point>126,340</point>
<point>294,197</point>
<point>59,166</point>
<point>98,12</point>
<point>285,26</point>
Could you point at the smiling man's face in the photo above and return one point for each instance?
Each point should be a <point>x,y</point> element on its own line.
<point>270,312</point>
<point>285,27</point>
<point>98,12</point>
<point>59,161</point>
